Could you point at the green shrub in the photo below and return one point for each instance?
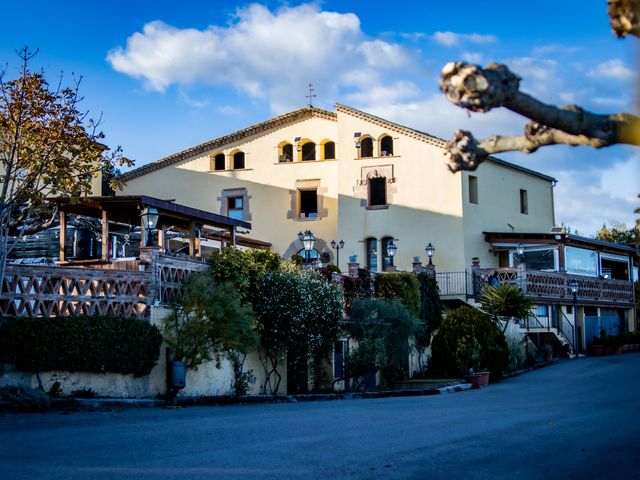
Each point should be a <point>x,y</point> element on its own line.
<point>80,344</point>
<point>403,286</point>
<point>431,308</point>
<point>357,287</point>
<point>468,339</point>
<point>299,314</point>
<point>382,329</point>
<point>506,300</point>
<point>208,322</point>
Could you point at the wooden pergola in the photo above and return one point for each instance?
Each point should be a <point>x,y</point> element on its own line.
<point>126,209</point>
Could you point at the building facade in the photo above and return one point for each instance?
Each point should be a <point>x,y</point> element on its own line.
<point>351,176</point>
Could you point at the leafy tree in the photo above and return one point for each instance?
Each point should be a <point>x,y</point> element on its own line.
<point>468,339</point>
<point>431,308</point>
<point>209,322</point>
<point>382,329</point>
<point>357,287</point>
<point>481,89</point>
<point>403,286</point>
<point>47,147</point>
<point>299,315</point>
<point>619,233</point>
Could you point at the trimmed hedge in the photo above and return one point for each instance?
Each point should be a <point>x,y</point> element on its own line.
<point>80,344</point>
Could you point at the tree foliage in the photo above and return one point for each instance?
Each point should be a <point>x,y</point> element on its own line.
<point>468,339</point>
<point>209,322</point>
<point>48,146</point>
<point>403,286</point>
<point>299,314</point>
<point>382,329</point>
<point>431,307</point>
<point>619,233</point>
<point>505,300</point>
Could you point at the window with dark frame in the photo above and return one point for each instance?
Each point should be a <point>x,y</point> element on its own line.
<point>329,150</point>
<point>377,191</point>
<point>524,202</point>
<point>309,203</point>
<point>219,162</point>
<point>238,161</point>
<point>235,207</point>
<point>372,254</point>
<point>287,153</point>
<point>308,152</point>
<point>386,146</point>
<point>339,357</point>
<point>366,147</point>
<point>473,189</point>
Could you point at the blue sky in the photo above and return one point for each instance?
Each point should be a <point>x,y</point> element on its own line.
<point>169,75</point>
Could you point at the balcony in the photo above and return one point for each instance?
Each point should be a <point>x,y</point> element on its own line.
<point>541,286</point>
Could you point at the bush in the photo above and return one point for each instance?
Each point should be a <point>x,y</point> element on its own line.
<point>403,286</point>
<point>80,344</point>
<point>25,399</point>
<point>357,287</point>
<point>299,314</point>
<point>468,339</point>
<point>382,329</point>
<point>431,307</point>
<point>208,322</point>
<point>243,268</point>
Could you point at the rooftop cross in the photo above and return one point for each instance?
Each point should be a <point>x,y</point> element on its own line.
<point>311,94</point>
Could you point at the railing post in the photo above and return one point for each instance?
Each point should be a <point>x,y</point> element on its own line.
<point>522,277</point>
<point>150,259</point>
<point>475,274</point>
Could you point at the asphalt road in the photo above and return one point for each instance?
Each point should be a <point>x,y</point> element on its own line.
<point>577,419</point>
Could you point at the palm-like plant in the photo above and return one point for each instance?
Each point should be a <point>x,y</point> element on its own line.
<point>505,300</point>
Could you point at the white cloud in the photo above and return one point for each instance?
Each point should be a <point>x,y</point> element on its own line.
<point>262,53</point>
<point>452,39</point>
<point>433,114</point>
<point>604,194</point>
<point>472,57</point>
<point>612,69</point>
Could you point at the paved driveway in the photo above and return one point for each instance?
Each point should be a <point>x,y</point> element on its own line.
<point>577,419</point>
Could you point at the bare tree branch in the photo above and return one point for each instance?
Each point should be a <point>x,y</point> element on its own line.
<point>481,89</point>
<point>624,16</point>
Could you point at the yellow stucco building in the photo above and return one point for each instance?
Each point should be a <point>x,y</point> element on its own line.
<point>348,175</point>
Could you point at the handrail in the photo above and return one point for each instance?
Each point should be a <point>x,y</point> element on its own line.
<point>561,330</point>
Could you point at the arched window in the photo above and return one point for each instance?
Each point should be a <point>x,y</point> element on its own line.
<point>218,162</point>
<point>238,160</point>
<point>386,146</point>
<point>313,255</point>
<point>371,245</point>
<point>387,260</point>
<point>285,153</point>
<point>328,150</point>
<point>308,151</point>
<point>366,147</point>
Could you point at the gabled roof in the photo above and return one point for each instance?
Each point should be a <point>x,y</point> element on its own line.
<point>297,116</point>
<point>430,139</point>
<point>273,123</point>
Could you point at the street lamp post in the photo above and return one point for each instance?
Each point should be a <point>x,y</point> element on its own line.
<point>430,249</point>
<point>575,288</point>
<point>337,246</point>
<point>308,241</point>
<point>149,217</point>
